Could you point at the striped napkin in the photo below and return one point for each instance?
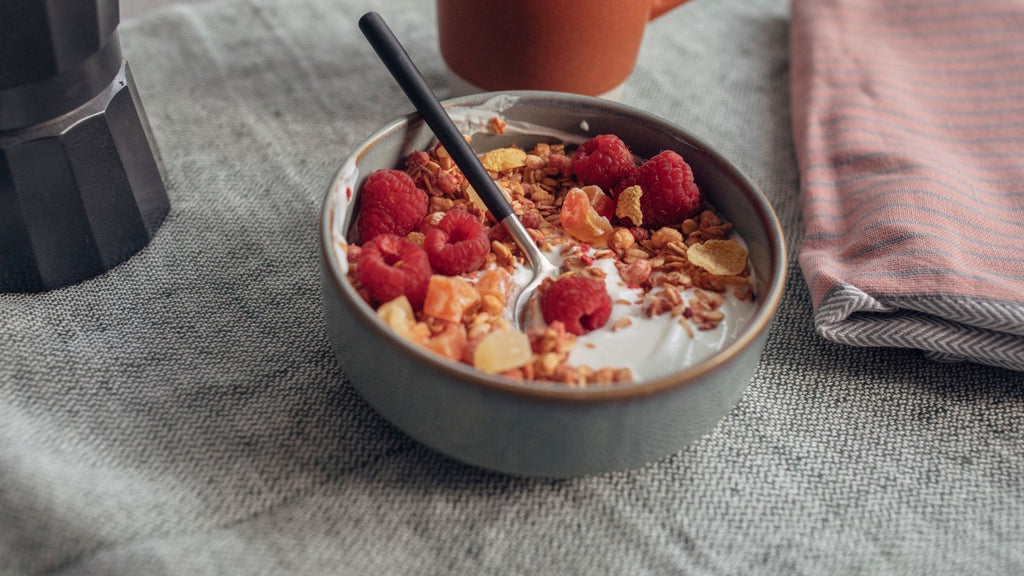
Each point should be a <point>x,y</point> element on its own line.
<point>908,119</point>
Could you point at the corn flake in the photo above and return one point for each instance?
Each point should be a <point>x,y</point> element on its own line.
<point>719,257</point>
<point>629,205</point>
<point>502,159</point>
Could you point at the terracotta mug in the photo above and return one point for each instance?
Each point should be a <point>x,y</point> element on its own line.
<point>583,46</point>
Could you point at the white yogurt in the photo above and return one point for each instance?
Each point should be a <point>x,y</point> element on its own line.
<point>650,347</point>
<point>656,346</point>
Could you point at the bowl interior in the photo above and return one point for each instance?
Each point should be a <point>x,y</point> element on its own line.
<point>571,119</point>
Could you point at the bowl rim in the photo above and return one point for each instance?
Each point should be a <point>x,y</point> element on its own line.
<point>547,391</point>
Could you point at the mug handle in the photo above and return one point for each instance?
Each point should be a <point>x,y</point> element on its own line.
<point>659,7</point>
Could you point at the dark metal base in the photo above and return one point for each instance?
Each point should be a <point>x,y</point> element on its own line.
<point>79,194</point>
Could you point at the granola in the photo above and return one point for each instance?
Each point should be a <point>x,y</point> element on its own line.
<point>684,272</point>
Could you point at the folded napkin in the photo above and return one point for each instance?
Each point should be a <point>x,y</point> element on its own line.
<point>909,127</point>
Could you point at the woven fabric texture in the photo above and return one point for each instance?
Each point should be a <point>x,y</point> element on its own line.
<point>909,135</point>
<point>184,413</point>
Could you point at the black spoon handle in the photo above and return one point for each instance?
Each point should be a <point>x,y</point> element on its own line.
<point>397,60</point>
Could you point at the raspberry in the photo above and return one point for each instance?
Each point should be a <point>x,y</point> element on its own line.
<point>669,192</point>
<point>390,203</point>
<point>581,303</point>
<point>389,266</point>
<point>603,161</point>
<point>458,244</point>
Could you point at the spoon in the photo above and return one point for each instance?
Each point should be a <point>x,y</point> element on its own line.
<point>398,62</point>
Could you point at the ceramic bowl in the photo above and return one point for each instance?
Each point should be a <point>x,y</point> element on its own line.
<point>531,428</point>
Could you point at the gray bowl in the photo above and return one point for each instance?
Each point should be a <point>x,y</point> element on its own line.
<point>531,428</point>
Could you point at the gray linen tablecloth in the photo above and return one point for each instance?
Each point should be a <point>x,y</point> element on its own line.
<point>184,413</point>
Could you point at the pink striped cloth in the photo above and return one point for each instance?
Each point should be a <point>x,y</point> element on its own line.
<point>908,118</point>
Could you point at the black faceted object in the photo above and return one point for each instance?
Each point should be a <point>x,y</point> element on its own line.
<point>81,185</point>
